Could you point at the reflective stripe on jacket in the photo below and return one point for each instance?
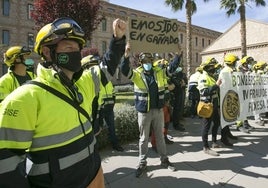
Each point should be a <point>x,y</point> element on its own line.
<point>55,134</point>
<point>141,89</point>
<point>205,82</point>
<point>59,140</point>
<point>107,94</point>
<point>193,80</point>
<point>33,131</point>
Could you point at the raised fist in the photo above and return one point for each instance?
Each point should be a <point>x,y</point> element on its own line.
<point>119,28</point>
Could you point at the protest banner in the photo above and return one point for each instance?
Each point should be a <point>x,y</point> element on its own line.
<point>153,35</point>
<point>242,95</point>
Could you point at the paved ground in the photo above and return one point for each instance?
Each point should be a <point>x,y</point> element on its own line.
<point>243,166</point>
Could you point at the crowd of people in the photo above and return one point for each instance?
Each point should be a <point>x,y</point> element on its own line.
<point>54,116</point>
<point>209,85</point>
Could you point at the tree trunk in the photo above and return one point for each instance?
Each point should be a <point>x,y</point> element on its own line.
<point>243,29</point>
<point>188,37</point>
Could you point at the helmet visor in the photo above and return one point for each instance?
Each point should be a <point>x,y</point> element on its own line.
<point>67,26</point>
<point>213,61</point>
<point>25,51</point>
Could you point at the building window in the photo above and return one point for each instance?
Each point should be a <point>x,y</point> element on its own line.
<point>182,57</point>
<point>123,13</point>
<point>29,10</point>
<point>103,46</point>
<point>208,42</point>
<point>110,10</point>
<point>203,42</point>
<point>196,57</point>
<point>196,41</point>
<point>104,25</point>
<point>6,7</point>
<point>30,40</point>
<point>133,15</point>
<point>181,38</point>
<point>5,37</point>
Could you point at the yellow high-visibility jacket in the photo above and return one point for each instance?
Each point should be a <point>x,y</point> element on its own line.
<point>141,88</point>
<point>58,138</point>
<point>9,83</point>
<point>208,89</point>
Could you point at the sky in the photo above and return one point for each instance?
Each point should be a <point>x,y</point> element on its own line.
<point>208,15</point>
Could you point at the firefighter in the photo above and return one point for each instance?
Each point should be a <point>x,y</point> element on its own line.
<point>16,58</point>
<point>56,135</point>
<point>194,95</point>
<point>260,68</point>
<point>106,99</point>
<point>230,63</point>
<point>209,90</point>
<point>149,89</point>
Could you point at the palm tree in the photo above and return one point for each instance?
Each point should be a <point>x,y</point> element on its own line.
<point>190,7</point>
<point>233,6</point>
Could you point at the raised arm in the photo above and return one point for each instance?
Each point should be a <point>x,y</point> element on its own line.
<point>112,57</point>
<point>174,64</point>
<point>125,68</point>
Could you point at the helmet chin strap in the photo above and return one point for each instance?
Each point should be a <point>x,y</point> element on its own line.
<point>17,63</point>
<point>21,61</point>
<point>63,77</point>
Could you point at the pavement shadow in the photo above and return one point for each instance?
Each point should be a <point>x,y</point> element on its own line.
<point>124,178</point>
<point>249,151</point>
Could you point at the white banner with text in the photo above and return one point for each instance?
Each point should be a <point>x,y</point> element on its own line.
<point>242,95</point>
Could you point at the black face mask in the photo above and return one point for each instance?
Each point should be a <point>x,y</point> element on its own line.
<point>69,60</point>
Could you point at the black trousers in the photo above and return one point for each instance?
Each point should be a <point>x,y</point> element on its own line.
<point>178,106</point>
<point>215,118</point>
<point>194,98</point>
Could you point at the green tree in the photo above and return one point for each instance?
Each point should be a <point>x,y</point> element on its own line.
<point>233,6</point>
<point>190,7</point>
<point>85,12</point>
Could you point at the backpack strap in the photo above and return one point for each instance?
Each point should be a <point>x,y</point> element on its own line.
<point>61,96</point>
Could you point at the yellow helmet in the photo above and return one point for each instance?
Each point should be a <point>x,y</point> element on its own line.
<point>210,61</point>
<point>260,65</point>
<point>89,61</point>
<point>157,56</point>
<point>247,59</point>
<point>199,69</point>
<point>57,30</point>
<point>159,62</point>
<point>230,59</point>
<point>13,53</point>
<point>146,57</point>
<point>218,66</point>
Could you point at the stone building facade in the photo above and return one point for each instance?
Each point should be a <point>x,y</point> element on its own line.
<point>230,42</point>
<point>17,28</point>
